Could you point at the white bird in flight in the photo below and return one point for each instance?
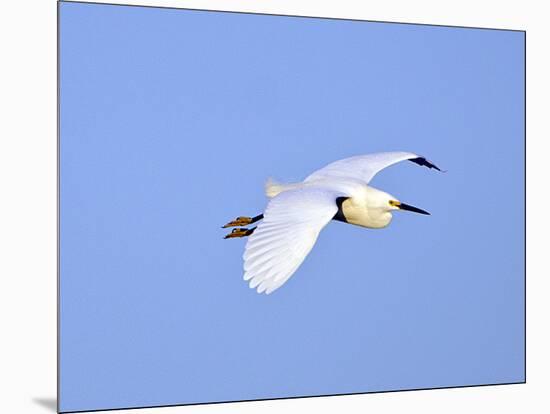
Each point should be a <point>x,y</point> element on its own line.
<point>297,212</point>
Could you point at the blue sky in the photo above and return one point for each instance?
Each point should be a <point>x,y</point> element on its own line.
<point>172,120</point>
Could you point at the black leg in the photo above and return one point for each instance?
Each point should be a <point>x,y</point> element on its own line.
<point>240,232</point>
<point>243,221</point>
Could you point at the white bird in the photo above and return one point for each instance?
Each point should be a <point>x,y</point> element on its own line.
<point>297,212</point>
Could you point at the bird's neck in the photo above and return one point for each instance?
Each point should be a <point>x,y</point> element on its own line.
<point>357,211</point>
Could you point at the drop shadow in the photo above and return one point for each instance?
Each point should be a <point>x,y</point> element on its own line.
<point>48,403</point>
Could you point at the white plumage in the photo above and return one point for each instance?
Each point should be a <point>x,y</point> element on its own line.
<point>286,235</point>
<point>297,212</point>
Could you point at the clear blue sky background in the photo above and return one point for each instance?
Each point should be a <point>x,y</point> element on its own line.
<point>172,120</point>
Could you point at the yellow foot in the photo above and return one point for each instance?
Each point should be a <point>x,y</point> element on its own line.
<point>239,221</point>
<point>242,232</point>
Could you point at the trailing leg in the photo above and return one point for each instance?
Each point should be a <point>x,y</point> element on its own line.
<point>243,221</point>
<point>240,232</point>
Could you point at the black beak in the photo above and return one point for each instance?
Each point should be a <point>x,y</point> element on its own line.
<point>407,207</point>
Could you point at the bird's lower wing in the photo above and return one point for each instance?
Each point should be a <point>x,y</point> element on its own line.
<point>365,167</point>
<point>292,222</point>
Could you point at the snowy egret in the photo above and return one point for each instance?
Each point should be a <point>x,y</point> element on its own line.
<point>297,212</point>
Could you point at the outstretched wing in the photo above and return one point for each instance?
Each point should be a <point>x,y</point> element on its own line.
<point>364,167</point>
<point>292,222</point>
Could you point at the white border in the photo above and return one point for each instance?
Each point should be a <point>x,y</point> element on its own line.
<point>446,13</point>
<point>28,209</point>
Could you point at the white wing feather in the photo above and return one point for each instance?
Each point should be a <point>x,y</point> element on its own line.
<point>292,222</point>
<point>364,167</point>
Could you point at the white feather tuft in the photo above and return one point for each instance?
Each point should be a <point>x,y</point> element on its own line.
<point>274,188</point>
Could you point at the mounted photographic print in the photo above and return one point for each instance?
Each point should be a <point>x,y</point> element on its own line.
<point>262,206</point>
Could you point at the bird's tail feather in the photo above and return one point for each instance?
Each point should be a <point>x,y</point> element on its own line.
<point>272,187</point>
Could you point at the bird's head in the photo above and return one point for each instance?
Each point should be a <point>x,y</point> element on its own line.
<point>395,204</point>
<point>388,203</point>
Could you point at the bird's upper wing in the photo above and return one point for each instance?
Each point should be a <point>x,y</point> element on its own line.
<point>364,167</point>
<point>292,222</point>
